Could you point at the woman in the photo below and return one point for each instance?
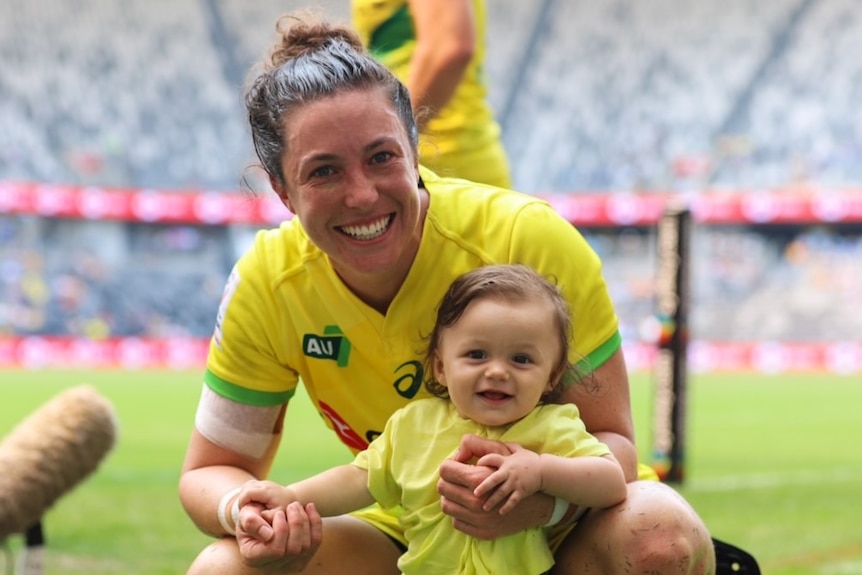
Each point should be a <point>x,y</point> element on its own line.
<point>339,297</point>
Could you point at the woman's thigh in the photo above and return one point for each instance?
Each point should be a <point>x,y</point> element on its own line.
<point>349,546</point>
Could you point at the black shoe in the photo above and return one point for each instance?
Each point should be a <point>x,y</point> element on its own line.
<point>730,560</point>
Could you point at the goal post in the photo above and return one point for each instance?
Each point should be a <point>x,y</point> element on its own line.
<point>672,300</point>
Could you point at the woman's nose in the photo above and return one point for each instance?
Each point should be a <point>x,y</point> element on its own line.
<point>360,192</point>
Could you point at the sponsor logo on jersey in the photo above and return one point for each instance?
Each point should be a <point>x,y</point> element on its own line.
<point>331,345</point>
<point>345,433</point>
<point>409,380</point>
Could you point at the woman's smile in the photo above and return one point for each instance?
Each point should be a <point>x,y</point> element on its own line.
<point>368,231</point>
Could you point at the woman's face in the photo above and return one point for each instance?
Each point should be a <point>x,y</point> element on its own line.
<point>350,176</point>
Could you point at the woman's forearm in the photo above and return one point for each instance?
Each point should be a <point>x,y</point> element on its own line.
<point>201,491</point>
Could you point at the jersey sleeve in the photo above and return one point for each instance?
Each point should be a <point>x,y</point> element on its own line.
<point>243,363</point>
<point>557,250</point>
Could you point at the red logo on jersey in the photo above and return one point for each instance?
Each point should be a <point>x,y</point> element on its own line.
<point>347,436</point>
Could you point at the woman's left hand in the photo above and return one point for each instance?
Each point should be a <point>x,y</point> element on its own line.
<point>459,478</point>
<point>286,545</point>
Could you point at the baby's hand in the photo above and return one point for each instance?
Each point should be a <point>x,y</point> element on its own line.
<point>268,494</point>
<point>257,506</point>
<point>517,476</point>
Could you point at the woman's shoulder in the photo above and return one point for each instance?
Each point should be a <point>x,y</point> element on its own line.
<point>281,249</point>
<point>462,204</point>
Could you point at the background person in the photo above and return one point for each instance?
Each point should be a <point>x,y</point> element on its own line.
<point>438,49</point>
<point>335,296</point>
<point>498,351</point>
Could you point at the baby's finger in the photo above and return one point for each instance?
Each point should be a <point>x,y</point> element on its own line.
<point>251,491</point>
<point>513,499</point>
<point>494,489</point>
<point>489,483</point>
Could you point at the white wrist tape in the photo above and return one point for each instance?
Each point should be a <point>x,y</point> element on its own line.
<point>222,510</point>
<point>234,512</point>
<point>560,508</point>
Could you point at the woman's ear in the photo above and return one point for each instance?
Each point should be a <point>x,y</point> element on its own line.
<point>282,194</point>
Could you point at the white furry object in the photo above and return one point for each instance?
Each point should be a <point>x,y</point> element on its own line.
<point>50,452</point>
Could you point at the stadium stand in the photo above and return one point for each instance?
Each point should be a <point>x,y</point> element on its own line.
<point>599,97</point>
<point>592,96</point>
<point>110,93</point>
<point>618,94</point>
<point>801,121</point>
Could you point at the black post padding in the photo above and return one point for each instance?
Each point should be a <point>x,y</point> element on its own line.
<point>671,367</point>
<point>34,536</point>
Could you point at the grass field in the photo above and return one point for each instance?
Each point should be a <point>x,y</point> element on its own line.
<point>772,466</point>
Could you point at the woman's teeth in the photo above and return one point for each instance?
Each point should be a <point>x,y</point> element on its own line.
<point>367,231</point>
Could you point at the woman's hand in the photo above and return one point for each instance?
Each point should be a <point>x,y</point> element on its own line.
<point>279,540</point>
<point>273,530</point>
<point>459,478</point>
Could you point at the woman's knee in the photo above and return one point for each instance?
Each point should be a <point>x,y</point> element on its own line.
<point>669,536</point>
<point>654,531</point>
<point>218,558</point>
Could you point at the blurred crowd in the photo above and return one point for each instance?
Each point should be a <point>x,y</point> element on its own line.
<point>795,283</point>
<point>104,285</point>
<point>688,95</point>
<point>748,283</point>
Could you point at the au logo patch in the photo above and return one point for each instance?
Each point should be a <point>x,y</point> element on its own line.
<point>331,345</point>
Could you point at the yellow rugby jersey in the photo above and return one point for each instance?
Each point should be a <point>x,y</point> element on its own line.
<point>285,315</point>
<point>463,138</point>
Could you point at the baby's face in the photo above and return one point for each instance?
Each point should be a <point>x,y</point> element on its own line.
<point>497,360</point>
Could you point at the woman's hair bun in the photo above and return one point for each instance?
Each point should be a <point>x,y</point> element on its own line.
<point>302,34</point>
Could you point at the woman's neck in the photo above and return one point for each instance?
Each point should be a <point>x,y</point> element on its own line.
<point>377,292</point>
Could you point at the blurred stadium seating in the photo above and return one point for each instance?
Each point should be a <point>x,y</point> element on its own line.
<point>611,95</point>
<point>594,97</point>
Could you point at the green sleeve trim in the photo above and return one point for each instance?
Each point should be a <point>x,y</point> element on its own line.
<point>601,354</point>
<point>396,31</point>
<point>245,395</point>
<point>592,362</point>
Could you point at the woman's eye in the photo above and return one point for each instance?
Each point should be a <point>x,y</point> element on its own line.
<point>322,172</point>
<point>521,358</point>
<point>380,157</point>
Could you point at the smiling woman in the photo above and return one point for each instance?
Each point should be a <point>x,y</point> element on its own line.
<point>340,297</point>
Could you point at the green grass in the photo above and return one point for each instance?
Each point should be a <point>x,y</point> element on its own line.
<point>772,465</point>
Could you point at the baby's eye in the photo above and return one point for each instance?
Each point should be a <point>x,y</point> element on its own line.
<point>521,358</point>
<point>476,354</point>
